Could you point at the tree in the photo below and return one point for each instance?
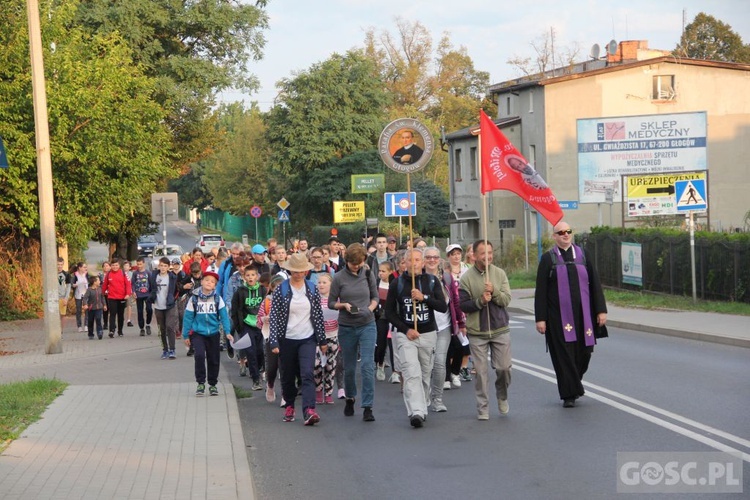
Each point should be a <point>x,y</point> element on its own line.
<point>708,38</point>
<point>237,174</point>
<point>548,56</point>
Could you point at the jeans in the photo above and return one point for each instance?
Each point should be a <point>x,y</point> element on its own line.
<point>297,357</point>
<point>438,369</point>
<point>81,318</point>
<point>95,315</point>
<point>416,367</point>
<point>499,347</point>
<point>206,353</point>
<point>140,302</point>
<point>352,339</point>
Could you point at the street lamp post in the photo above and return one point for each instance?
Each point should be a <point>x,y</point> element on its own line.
<point>51,311</point>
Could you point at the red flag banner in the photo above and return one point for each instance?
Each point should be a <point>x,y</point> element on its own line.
<point>503,167</point>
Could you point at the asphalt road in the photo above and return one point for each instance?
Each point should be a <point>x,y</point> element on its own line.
<point>539,450</point>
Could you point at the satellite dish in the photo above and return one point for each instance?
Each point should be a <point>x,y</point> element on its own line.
<point>594,51</point>
<point>612,47</point>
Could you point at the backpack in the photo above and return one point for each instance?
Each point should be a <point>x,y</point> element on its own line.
<point>194,300</point>
<point>284,287</point>
<point>400,284</point>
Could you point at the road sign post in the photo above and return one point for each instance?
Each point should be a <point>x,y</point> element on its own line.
<point>283,204</point>
<point>255,213</point>
<point>163,209</point>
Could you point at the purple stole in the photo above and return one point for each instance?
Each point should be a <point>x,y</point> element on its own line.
<point>563,292</point>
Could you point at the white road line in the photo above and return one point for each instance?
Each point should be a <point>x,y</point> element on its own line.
<point>527,317</point>
<point>645,416</point>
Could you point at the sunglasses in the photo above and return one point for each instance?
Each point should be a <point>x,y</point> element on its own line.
<point>563,232</point>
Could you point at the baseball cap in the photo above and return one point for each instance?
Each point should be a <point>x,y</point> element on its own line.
<point>452,247</point>
<point>391,239</point>
<point>176,261</point>
<point>258,248</point>
<point>211,274</point>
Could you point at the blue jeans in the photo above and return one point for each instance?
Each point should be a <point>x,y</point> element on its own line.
<point>362,338</point>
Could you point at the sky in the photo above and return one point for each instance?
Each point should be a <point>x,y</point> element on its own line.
<point>304,32</point>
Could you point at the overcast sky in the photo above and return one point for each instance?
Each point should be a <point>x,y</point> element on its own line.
<point>303,32</point>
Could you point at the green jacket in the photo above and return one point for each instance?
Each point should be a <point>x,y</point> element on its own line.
<point>478,321</point>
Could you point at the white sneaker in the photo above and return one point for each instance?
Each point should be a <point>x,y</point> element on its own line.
<point>341,394</point>
<point>80,329</point>
<point>395,378</point>
<point>503,406</point>
<point>455,381</point>
<point>446,386</point>
<point>380,373</point>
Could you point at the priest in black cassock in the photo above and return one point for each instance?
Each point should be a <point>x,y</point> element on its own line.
<point>570,311</point>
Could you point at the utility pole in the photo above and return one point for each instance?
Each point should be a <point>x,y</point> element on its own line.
<point>51,311</point>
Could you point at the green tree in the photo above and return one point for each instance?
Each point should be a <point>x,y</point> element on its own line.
<point>236,175</point>
<point>708,38</point>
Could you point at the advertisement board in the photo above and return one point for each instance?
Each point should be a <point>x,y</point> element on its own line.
<point>649,195</point>
<point>611,147</point>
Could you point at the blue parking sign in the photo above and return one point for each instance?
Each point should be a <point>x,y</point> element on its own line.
<point>398,204</point>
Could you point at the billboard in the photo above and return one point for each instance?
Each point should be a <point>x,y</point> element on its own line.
<point>611,147</point>
<point>649,195</point>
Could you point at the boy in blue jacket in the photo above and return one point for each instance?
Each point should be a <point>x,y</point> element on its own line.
<point>205,314</point>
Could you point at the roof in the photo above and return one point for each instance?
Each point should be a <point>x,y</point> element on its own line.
<point>466,132</point>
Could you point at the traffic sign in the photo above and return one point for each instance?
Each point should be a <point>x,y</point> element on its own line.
<point>649,195</point>
<point>397,204</point>
<point>284,215</point>
<point>691,195</point>
<point>256,211</point>
<point>568,205</point>
<point>283,204</point>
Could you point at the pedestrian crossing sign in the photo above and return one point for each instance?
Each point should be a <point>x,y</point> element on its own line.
<point>690,195</point>
<point>283,215</point>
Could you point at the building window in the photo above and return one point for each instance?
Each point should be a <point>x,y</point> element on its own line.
<point>507,106</point>
<point>663,88</point>
<point>473,165</point>
<point>532,155</point>
<point>531,101</point>
<point>457,166</point>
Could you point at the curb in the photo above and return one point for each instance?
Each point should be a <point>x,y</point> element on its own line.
<point>242,470</point>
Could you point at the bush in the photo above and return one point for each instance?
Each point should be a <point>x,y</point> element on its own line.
<point>21,277</point>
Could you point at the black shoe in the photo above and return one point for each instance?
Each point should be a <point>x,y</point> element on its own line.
<point>143,332</point>
<point>569,403</point>
<point>100,336</point>
<point>368,416</point>
<point>191,351</point>
<point>91,336</point>
<point>130,323</point>
<point>349,408</point>
<point>111,335</point>
<point>230,351</point>
<point>119,334</point>
<point>416,421</point>
<point>148,329</point>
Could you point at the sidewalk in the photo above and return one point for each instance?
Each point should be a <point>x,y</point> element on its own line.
<point>710,327</point>
<point>128,426</point>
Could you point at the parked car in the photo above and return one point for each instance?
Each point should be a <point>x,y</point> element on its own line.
<point>170,252</point>
<point>146,244</point>
<point>207,242</point>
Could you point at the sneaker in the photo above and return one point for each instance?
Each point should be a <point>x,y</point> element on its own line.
<point>341,394</point>
<point>130,324</point>
<point>367,416</point>
<point>221,346</point>
<point>100,335</point>
<point>349,408</point>
<point>465,375</point>
<point>190,351</point>
<point>119,334</point>
<point>257,385</point>
<point>446,386</point>
<point>243,370</point>
<point>380,373</point>
<point>143,332</point>
<point>569,403</point>
<point>270,394</point>
<point>438,406</point>
<point>329,400</point>
<point>111,335</point>
<point>319,400</point>
<point>80,329</point>
<point>172,355</point>
<point>165,355</point>
<point>416,421</point>
<point>230,351</point>
<point>503,406</point>
<point>212,390</point>
<point>289,414</point>
<point>91,336</point>
<point>483,416</point>
<point>455,381</point>
<point>311,417</point>
<point>395,378</point>
<point>283,403</point>
<point>148,329</point>
<point>201,390</point>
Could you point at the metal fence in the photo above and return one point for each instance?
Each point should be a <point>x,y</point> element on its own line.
<point>238,225</point>
<point>722,265</point>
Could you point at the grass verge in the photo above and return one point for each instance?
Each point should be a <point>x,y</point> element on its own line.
<point>22,403</point>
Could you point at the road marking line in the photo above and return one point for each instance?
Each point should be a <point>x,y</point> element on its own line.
<point>645,416</point>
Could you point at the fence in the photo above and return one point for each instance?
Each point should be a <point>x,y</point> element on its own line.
<point>721,263</point>
<point>237,225</point>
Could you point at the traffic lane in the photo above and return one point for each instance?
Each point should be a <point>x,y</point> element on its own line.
<point>539,450</point>
<point>702,381</point>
